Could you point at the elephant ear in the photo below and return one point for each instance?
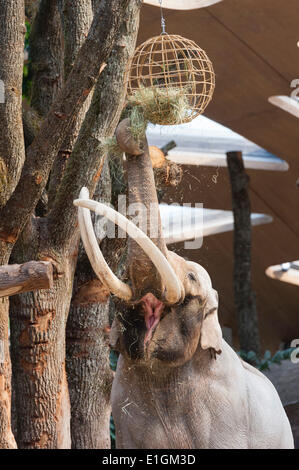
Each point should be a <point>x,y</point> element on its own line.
<point>211,334</point>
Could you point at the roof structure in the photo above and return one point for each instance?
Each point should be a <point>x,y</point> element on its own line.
<point>183,4</point>
<point>286,103</point>
<point>285,272</point>
<point>188,223</point>
<point>253,47</point>
<point>205,143</point>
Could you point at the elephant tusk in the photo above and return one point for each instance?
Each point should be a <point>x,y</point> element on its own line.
<point>97,260</point>
<point>173,288</point>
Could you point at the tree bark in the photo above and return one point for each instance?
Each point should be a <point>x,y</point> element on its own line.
<point>38,321</point>
<point>15,278</point>
<point>245,301</point>
<point>32,122</point>
<point>84,334</point>
<point>46,54</point>
<point>42,152</point>
<point>88,367</point>
<point>12,151</point>
<point>46,67</point>
<point>89,374</point>
<point>7,440</point>
<point>84,166</point>
<point>77,19</point>
<point>12,154</point>
<point>31,8</point>
<point>38,354</point>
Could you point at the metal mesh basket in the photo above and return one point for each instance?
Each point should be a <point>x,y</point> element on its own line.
<point>172,79</point>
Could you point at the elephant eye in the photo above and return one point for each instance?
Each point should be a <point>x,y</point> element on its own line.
<point>192,277</point>
<point>186,300</point>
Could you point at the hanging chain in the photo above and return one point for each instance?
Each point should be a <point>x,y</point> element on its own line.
<point>163,22</point>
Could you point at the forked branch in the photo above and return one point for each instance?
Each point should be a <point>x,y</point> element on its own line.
<point>84,166</point>
<point>42,152</point>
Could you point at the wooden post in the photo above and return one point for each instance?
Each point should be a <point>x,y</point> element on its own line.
<point>17,278</point>
<point>167,147</point>
<point>245,301</point>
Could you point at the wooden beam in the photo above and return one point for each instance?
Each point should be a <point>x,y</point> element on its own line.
<point>285,272</point>
<point>223,221</point>
<point>191,156</point>
<point>17,278</point>
<point>182,4</point>
<point>286,103</point>
<point>188,223</point>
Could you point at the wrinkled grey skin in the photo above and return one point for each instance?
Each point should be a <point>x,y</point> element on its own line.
<point>178,384</point>
<point>187,388</point>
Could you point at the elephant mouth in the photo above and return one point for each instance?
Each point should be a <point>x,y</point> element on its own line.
<point>153,309</point>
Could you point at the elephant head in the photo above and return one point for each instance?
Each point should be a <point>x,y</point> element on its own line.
<point>169,308</point>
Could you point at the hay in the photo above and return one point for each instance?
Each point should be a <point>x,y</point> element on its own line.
<point>118,181</point>
<point>138,124</point>
<point>156,105</point>
<point>170,174</point>
<point>110,146</point>
<point>177,76</point>
<point>168,106</point>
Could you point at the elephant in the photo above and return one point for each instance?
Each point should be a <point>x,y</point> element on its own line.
<point>178,384</point>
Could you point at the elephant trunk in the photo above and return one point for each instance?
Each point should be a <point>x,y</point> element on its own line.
<point>143,199</point>
<point>150,270</point>
<point>144,207</point>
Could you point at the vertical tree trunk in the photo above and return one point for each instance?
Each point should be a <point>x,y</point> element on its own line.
<point>88,367</point>
<point>46,54</point>
<point>12,154</point>
<point>245,301</point>
<point>38,321</point>
<point>77,18</point>
<point>90,377</point>
<point>7,440</point>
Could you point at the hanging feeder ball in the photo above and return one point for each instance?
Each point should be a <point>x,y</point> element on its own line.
<point>171,79</point>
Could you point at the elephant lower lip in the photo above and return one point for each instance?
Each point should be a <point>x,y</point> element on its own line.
<point>150,331</point>
<point>153,309</point>
<point>151,321</point>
